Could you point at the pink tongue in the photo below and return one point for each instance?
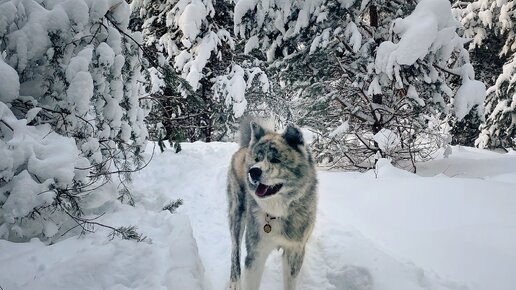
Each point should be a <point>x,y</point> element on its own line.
<point>261,190</point>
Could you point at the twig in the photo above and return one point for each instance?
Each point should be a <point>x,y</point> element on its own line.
<point>7,125</point>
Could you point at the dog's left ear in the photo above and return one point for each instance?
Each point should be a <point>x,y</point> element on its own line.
<point>293,136</point>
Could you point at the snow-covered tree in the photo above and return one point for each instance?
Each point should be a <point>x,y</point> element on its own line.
<point>357,71</point>
<point>194,38</point>
<point>490,25</point>
<point>70,114</point>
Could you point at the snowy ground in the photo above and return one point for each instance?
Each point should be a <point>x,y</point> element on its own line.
<point>453,227</point>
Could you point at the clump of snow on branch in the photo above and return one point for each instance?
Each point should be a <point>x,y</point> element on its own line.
<point>10,87</point>
<point>342,129</point>
<point>387,140</point>
<point>191,20</point>
<point>233,86</point>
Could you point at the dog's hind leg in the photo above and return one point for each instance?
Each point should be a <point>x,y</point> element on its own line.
<point>292,262</point>
<point>236,214</point>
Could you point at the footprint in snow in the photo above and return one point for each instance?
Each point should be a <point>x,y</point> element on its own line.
<point>351,278</point>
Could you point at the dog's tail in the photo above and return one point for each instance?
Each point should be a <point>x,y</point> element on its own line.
<point>245,131</point>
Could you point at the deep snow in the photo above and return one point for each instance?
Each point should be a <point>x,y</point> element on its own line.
<point>453,227</point>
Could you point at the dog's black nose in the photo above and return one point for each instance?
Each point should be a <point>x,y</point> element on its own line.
<point>255,173</point>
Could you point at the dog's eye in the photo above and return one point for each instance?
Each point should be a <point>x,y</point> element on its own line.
<point>275,160</point>
<point>257,159</point>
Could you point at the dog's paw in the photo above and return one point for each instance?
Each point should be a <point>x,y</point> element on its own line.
<point>234,285</point>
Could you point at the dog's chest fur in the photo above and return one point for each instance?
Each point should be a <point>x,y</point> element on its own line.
<point>286,230</point>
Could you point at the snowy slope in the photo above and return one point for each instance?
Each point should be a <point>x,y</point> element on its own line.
<point>388,229</point>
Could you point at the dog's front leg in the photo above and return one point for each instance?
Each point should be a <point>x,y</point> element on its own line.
<point>236,209</point>
<point>257,253</point>
<point>292,262</point>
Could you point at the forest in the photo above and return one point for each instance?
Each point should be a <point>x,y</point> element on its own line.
<point>95,94</point>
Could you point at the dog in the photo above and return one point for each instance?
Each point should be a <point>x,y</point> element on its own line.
<point>272,195</point>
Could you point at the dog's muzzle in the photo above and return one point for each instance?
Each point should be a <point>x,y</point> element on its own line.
<point>255,175</point>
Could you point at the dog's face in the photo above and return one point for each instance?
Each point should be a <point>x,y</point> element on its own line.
<point>276,164</point>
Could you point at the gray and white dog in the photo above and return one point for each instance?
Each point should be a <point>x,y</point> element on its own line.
<point>272,194</point>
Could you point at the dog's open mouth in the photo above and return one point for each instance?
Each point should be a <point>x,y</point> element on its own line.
<point>267,190</point>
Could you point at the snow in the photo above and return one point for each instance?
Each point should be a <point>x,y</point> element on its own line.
<point>191,19</point>
<point>412,93</point>
<point>33,38</point>
<point>27,153</point>
<point>340,130</point>
<point>31,114</point>
<point>346,3</point>
<point>203,51</point>
<point>80,92</point>
<point>24,195</point>
<point>241,8</point>
<point>386,139</point>
<point>95,262</point>
<point>450,227</point>
<point>470,93</point>
<point>419,32</point>
<point>321,40</point>
<point>232,87</point>
<point>79,63</point>
<point>354,36</point>
<point>251,44</point>
<point>236,92</point>
<point>7,16</point>
<point>10,87</point>
<point>105,54</point>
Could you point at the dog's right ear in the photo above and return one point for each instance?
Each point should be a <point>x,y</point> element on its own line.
<point>293,136</point>
<point>257,132</point>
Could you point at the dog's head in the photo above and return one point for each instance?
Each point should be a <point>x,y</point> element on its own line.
<point>278,165</point>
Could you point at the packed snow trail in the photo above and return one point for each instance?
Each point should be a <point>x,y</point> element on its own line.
<point>338,256</point>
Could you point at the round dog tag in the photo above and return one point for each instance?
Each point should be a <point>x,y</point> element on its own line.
<point>267,228</point>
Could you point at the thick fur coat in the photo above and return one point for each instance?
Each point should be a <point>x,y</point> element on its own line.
<point>272,195</point>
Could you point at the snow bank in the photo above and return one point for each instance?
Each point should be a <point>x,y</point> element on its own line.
<point>167,260</point>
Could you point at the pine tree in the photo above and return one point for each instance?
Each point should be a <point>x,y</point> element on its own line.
<point>488,22</point>
<point>188,37</point>
<point>72,118</point>
<point>195,40</point>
